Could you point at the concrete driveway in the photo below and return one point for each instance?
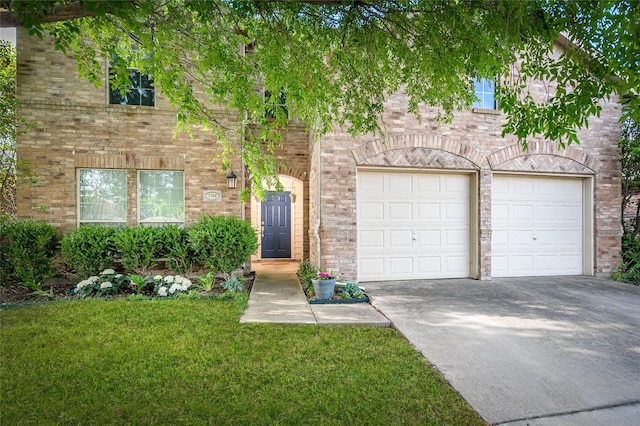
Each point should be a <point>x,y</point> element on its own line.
<point>527,351</point>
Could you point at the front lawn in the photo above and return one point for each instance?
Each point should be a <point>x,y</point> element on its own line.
<point>168,362</point>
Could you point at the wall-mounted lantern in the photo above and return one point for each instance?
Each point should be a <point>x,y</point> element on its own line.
<point>232,180</point>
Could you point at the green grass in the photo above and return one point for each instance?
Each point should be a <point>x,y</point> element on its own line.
<point>149,362</point>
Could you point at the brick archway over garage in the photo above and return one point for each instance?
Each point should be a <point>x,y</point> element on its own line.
<point>543,157</point>
<point>416,150</point>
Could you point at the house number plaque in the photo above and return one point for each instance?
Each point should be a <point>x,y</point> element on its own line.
<point>212,195</point>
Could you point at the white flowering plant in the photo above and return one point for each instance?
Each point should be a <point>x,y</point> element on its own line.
<point>107,283</point>
<point>171,285</point>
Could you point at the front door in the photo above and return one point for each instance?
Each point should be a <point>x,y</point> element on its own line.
<point>276,226</point>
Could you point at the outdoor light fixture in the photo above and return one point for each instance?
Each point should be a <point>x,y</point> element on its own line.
<point>232,180</point>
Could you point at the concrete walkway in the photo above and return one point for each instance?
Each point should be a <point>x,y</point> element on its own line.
<point>277,297</point>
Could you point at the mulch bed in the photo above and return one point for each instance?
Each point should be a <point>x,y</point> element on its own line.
<point>61,286</point>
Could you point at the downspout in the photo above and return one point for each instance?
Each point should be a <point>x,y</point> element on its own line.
<point>316,229</point>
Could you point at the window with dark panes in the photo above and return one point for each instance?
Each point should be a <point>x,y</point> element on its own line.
<point>274,103</point>
<point>138,89</point>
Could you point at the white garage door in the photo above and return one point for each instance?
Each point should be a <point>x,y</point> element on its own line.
<point>537,226</point>
<point>413,225</point>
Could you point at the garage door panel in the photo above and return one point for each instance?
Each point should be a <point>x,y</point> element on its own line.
<point>371,183</point>
<point>500,238</point>
<point>428,211</point>
<point>371,210</point>
<point>546,213</point>
<point>457,264</point>
<point>569,213</point>
<point>401,265</point>
<point>400,183</point>
<point>400,239</point>
<point>400,211</point>
<point>521,213</point>
<point>373,265</point>
<point>521,264</point>
<point>518,238</point>
<point>371,239</point>
<point>547,264</point>
<point>429,266</point>
<point>455,185</point>
<point>548,238</point>
<point>542,233</point>
<point>428,238</point>
<point>457,211</point>
<point>425,225</point>
<point>457,238</point>
<point>429,184</point>
<point>500,212</point>
<point>571,238</point>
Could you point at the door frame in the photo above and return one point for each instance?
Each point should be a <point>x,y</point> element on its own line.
<point>296,187</point>
<point>289,222</point>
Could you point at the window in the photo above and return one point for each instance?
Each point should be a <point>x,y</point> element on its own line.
<point>160,197</point>
<point>102,196</point>
<point>138,91</point>
<point>485,93</point>
<point>273,103</point>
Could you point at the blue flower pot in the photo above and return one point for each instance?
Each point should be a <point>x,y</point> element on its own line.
<point>324,288</point>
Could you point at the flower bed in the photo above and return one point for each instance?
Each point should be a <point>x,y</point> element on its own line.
<point>344,293</point>
<point>114,285</point>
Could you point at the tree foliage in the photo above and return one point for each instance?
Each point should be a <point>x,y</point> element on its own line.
<point>337,61</point>
<point>11,169</point>
<point>629,145</point>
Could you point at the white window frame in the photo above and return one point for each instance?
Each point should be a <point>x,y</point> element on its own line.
<point>481,106</point>
<point>80,220</point>
<point>164,222</point>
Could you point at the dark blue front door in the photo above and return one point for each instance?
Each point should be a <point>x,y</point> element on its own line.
<point>276,225</point>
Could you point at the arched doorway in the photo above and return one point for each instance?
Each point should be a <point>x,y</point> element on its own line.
<point>279,220</point>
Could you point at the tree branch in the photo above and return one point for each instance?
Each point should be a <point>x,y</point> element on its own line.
<point>65,12</point>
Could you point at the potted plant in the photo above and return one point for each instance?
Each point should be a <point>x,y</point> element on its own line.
<point>324,284</point>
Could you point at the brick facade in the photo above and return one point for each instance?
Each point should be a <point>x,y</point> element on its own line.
<point>473,143</point>
<point>76,128</point>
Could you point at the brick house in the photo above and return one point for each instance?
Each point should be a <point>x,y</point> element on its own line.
<point>426,201</point>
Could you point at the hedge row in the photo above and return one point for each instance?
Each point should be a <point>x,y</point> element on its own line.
<point>221,244</point>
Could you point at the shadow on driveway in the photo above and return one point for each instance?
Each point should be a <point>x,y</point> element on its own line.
<point>537,350</point>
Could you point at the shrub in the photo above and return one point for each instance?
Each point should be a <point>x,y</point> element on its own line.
<point>350,291</point>
<point>176,249</point>
<point>107,283</point>
<point>28,249</point>
<point>223,244</point>
<point>307,272</point>
<point>629,269</point>
<point>234,285</point>
<point>138,247</point>
<point>89,249</point>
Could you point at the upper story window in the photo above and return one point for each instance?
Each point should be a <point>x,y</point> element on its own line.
<point>138,90</point>
<point>485,93</point>
<point>102,196</point>
<point>160,197</point>
<point>273,103</point>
